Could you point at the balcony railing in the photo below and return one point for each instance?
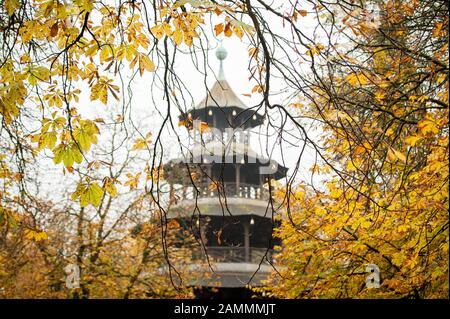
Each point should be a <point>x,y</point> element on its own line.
<point>227,136</point>
<point>236,255</point>
<point>222,189</point>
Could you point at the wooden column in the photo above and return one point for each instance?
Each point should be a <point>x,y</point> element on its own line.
<point>247,240</point>
<point>209,173</point>
<point>237,168</point>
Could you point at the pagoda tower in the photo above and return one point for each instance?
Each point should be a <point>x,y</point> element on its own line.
<point>224,199</point>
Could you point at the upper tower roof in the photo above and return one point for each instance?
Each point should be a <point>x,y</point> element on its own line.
<point>221,95</point>
<point>222,108</point>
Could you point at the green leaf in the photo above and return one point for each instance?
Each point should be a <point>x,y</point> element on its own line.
<point>58,153</point>
<point>68,154</point>
<point>88,193</point>
<point>68,157</point>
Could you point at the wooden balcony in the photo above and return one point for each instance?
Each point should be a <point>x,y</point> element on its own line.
<point>224,254</point>
<point>234,190</point>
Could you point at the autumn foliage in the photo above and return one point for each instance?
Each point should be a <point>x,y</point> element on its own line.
<point>385,151</point>
<point>373,86</point>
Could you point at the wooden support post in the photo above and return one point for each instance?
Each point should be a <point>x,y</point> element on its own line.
<point>247,241</point>
<point>238,177</point>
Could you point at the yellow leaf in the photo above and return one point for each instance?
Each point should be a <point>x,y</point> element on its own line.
<point>367,146</point>
<point>403,228</point>
<point>106,54</point>
<point>47,140</point>
<point>11,6</point>
<point>100,90</point>
<point>355,79</point>
<point>25,58</point>
<point>315,49</point>
<point>141,143</point>
<point>39,73</point>
<point>257,88</point>
<point>379,95</point>
<point>157,31</point>
<point>35,235</point>
<point>412,140</point>
<point>167,29</point>
<point>188,39</point>
<point>85,5</point>
<point>252,52</point>
<point>86,134</point>
<point>132,181</point>
<point>145,64</point>
<point>422,98</point>
<point>351,166</point>
<point>389,132</point>
<point>336,193</point>
<point>427,127</point>
<point>303,13</point>
<point>238,32</point>
<point>177,36</point>
<point>130,52</point>
<point>400,156</point>
<point>110,187</point>
<point>393,155</point>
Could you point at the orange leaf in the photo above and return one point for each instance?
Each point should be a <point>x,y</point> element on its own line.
<point>218,28</point>
<point>228,31</point>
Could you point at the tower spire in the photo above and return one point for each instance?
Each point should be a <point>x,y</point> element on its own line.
<point>221,54</point>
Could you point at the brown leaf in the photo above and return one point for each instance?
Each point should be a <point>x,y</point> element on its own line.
<point>303,13</point>
<point>228,31</point>
<point>54,30</point>
<point>219,237</point>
